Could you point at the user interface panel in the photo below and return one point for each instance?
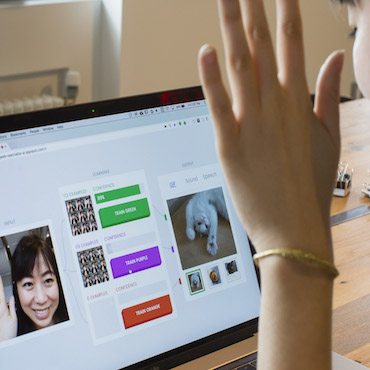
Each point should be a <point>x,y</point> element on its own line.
<point>149,253</point>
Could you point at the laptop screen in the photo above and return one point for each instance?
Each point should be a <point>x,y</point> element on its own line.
<point>118,238</point>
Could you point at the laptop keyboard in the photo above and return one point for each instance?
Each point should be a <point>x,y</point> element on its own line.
<point>248,362</point>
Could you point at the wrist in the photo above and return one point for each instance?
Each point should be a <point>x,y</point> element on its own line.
<point>299,256</point>
<point>317,243</point>
<point>296,308</point>
<point>293,275</point>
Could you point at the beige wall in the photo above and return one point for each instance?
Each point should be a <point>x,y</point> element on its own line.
<point>161,39</point>
<point>157,49</point>
<point>40,42</point>
<point>160,42</point>
<point>326,30</point>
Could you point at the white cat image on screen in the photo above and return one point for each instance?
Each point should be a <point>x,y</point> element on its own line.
<point>202,216</point>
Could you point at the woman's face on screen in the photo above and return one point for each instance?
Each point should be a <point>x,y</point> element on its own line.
<point>39,294</point>
<point>359,19</point>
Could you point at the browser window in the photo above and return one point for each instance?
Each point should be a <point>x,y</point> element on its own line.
<point>149,252</point>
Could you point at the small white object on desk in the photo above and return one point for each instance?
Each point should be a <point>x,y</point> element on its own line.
<point>366,187</point>
<point>344,180</point>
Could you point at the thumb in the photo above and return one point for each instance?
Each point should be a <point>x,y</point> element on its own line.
<point>13,327</point>
<point>328,94</point>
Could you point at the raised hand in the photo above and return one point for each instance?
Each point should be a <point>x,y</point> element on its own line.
<point>8,316</point>
<point>279,154</point>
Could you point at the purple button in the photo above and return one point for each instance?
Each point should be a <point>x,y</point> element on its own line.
<point>134,262</point>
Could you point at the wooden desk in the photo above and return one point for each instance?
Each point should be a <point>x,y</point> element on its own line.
<point>351,318</point>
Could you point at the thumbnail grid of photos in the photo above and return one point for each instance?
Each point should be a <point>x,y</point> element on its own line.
<point>81,215</point>
<point>93,266</point>
<point>213,276</point>
<point>204,237</point>
<point>22,252</point>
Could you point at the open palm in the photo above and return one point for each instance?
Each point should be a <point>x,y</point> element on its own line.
<point>279,153</point>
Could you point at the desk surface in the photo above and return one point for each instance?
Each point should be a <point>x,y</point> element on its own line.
<point>351,318</point>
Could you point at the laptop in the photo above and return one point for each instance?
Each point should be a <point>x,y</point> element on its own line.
<point>119,241</point>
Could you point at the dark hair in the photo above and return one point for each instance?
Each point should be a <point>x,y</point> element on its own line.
<point>28,249</point>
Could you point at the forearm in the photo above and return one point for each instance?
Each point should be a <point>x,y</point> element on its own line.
<point>295,320</point>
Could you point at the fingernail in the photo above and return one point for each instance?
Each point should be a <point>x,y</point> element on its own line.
<point>208,54</point>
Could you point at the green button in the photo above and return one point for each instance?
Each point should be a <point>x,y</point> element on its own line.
<point>125,212</point>
<point>117,194</point>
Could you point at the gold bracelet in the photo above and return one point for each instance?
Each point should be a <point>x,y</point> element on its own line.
<point>300,256</point>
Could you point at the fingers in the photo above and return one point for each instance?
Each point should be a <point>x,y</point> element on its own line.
<point>328,94</point>
<point>2,293</point>
<point>290,51</point>
<point>226,127</point>
<point>3,300</point>
<point>12,312</point>
<point>238,58</point>
<point>260,44</point>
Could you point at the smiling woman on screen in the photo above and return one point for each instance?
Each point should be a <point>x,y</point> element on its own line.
<point>38,300</point>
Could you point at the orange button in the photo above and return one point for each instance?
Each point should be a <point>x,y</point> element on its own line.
<point>147,311</point>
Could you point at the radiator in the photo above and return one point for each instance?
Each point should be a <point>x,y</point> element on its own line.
<point>31,104</point>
